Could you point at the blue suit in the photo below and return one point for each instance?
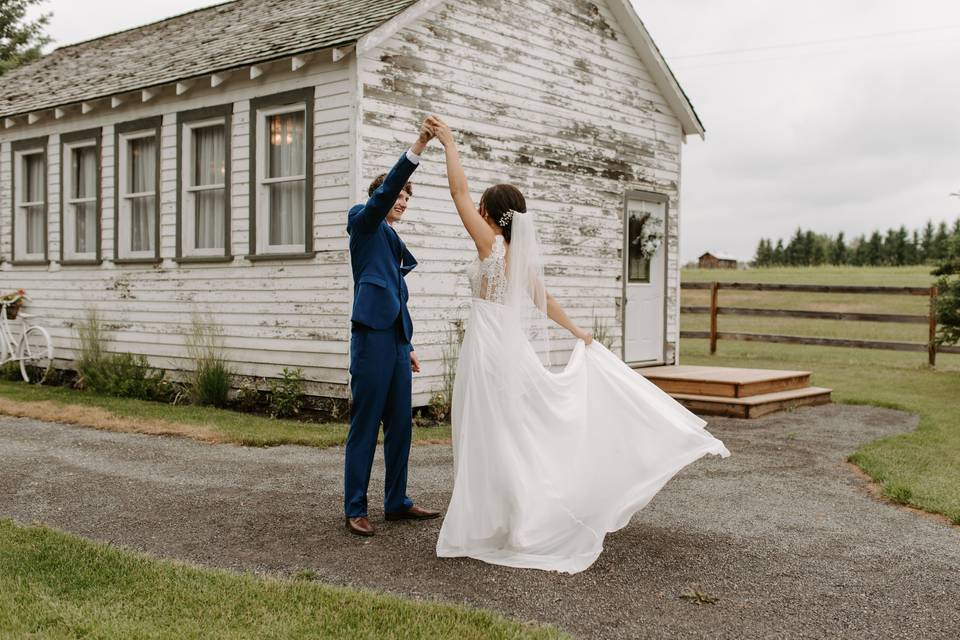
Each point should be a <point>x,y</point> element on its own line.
<point>381,328</point>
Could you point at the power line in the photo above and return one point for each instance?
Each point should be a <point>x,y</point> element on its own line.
<point>814,42</point>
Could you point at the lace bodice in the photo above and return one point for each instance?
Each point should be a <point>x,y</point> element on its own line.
<point>488,277</point>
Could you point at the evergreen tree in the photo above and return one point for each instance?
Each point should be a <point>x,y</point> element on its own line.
<point>838,250</point>
<point>926,244</point>
<point>762,257</point>
<point>20,39</point>
<point>913,249</point>
<point>873,253</point>
<point>940,248</point>
<point>779,253</point>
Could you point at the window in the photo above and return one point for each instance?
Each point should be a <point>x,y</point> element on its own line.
<point>282,198</point>
<point>646,217</point>
<point>30,200</point>
<point>203,213</point>
<point>138,186</point>
<point>80,196</point>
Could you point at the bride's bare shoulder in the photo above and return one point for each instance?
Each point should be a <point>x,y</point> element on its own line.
<point>487,248</point>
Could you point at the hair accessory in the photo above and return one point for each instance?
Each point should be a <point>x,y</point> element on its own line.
<point>507,217</point>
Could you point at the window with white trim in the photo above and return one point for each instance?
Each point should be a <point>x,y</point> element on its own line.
<point>282,206</point>
<point>203,180</point>
<point>30,206</point>
<point>137,197</point>
<point>80,191</point>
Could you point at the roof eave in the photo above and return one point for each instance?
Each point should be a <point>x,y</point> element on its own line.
<point>658,68</point>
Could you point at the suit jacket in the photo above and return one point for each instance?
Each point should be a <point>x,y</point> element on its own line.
<point>379,258</point>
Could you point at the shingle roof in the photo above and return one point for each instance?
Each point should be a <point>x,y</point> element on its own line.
<point>217,38</point>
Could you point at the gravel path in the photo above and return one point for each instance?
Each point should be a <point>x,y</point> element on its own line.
<point>782,532</point>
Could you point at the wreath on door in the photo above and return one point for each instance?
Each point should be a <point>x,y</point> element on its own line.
<point>649,237</point>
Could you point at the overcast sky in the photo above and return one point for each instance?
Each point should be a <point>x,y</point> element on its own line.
<point>834,115</point>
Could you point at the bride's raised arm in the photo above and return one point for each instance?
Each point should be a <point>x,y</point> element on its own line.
<point>472,221</point>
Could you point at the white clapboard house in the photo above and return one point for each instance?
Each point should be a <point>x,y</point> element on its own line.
<point>205,164</point>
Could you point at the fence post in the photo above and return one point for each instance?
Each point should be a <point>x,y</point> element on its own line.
<point>713,317</point>
<point>932,342</point>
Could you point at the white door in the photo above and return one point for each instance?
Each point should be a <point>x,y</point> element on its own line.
<point>644,320</point>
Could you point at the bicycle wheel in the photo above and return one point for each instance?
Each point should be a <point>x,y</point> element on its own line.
<point>36,354</point>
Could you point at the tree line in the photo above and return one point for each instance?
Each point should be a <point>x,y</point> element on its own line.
<point>897,247</point>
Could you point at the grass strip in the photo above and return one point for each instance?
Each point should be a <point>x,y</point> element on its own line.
<point>207,424</point>
<point>59,586</point>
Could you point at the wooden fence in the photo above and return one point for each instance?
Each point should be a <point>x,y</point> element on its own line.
<point>715,310</point>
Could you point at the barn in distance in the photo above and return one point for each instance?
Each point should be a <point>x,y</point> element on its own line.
<point>205,164</point>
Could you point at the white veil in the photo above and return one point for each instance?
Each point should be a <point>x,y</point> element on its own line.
<point>526,296</point>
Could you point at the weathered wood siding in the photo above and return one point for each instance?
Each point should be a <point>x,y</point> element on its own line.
<point>550,96</point>
<point>277,314</point>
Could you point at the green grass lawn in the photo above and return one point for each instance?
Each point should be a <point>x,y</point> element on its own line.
<point>205,423</point>
<point>921,468</point>
<point>58,586</point>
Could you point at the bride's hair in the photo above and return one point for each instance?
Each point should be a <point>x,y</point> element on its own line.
<point>498,200</point>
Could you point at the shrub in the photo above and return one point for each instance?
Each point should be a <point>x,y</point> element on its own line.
<point>121,374</point>
<point>11,371</point>
<point>948,303</point>
<point>286,394</point>
<point>248,397</point>
<point>212,378</point>
<point>441,402</point>
<point>90,359</point>
<point>601,331</point>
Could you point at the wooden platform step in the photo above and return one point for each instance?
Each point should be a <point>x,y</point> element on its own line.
<point>725,382</point>
<point>753,406</point>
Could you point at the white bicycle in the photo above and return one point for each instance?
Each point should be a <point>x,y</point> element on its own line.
<point>32,348</point>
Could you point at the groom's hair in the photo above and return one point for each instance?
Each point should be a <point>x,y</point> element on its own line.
<point>379,181</point>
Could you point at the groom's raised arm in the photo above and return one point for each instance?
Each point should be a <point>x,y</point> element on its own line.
<point>370,215</point>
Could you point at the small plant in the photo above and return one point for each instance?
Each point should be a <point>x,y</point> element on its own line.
<point>601,331</point>
<point>286,394</point>
<point>248,397</point>
<point>212,378</point>
<point>11,371</point>
<point>696,596</point>
<point>442,401</point>
<point>91,357</point>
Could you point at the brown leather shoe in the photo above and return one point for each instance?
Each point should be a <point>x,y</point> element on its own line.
<point>413,513</point>
<point>360,526</point>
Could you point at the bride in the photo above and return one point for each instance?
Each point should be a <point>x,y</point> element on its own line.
<point>545,464</point>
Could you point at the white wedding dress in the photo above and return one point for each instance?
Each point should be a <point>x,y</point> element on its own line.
<point>545,464</point>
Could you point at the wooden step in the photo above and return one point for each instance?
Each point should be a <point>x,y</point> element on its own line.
<point>753,406</point>
<point>726,382</point>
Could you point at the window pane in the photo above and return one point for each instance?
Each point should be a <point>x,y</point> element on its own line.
<point>209,156</point>
<point>209,219</point>
<point>638,267</point>
<point>35,229</point>
<point>142,216</point>
<point>33,177</point>
<point>85,230</point>
<point>286,213</point>
<point>142,165</point>
<point>287,153</point>
<point>84,173</point>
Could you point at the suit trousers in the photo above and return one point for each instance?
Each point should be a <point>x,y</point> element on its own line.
<point>380,387</point>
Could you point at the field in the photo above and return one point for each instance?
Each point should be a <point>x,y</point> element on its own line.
<point>921,469</point>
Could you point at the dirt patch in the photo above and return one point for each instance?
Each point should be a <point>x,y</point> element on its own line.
<point>97,418</point>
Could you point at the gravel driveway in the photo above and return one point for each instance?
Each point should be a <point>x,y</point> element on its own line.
<point>782,532</point>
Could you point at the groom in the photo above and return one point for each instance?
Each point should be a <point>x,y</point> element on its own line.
<point>381,356</point>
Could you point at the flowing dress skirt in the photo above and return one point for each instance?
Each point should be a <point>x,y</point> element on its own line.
<point>545,464</point>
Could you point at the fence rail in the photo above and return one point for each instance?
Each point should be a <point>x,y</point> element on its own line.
<point>715,310</point>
